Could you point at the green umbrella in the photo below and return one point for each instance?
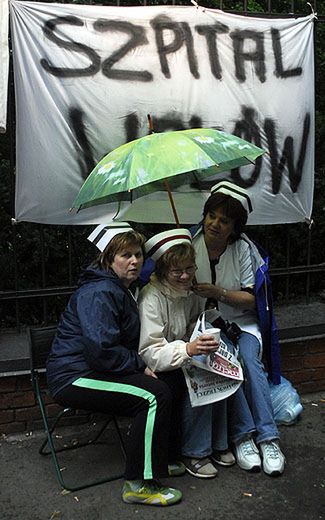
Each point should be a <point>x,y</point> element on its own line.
<point>163,161</point>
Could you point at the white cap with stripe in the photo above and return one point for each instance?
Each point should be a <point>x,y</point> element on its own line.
<point>228,188</point>
<point>160,243</point>
<point>103,234</point>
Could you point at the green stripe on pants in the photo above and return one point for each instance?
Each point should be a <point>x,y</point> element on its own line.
<point>107,386</point>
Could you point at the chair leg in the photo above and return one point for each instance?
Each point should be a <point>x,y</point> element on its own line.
<point>42,450</point>
<point>53,451</point>
<point>50,431</point>
<point>100,431</point>
<point>49,441</point>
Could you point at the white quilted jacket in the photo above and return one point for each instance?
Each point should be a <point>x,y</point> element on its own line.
<point>167,317</point>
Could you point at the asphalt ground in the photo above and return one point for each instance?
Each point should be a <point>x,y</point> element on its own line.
<point>29,490</point>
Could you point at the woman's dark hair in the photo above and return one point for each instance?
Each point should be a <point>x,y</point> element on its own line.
<point>176,255</point>
<point>231,208</point>
<point>117,244</point>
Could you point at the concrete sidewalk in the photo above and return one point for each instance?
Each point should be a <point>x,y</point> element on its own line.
<point>29,490</point>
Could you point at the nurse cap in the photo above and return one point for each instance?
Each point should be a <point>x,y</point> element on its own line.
<point>234,191</point>
<point>103,234</point>
<point>160,243</point>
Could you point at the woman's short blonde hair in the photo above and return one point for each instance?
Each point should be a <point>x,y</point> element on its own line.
<point>119,243</point>
<point>175,256</point>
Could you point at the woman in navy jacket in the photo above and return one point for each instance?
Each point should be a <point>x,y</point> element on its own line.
<point>94,363</point>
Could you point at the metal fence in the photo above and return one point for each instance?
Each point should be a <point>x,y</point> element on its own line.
<point>40,264</point>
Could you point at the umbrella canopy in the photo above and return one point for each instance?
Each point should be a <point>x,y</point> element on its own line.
<point>142,166</point>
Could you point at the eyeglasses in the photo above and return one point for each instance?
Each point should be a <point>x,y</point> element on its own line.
<point>177,273</point>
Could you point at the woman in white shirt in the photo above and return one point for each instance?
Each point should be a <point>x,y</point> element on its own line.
<point>227,262</point>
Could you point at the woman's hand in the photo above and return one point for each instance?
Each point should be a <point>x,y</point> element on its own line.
<point>241,299</point>
<point>204,344</point>
<point>150,373</point>
<point>206,290</point>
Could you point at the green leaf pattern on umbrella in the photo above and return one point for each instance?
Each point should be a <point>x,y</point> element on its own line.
<point>141,165</point>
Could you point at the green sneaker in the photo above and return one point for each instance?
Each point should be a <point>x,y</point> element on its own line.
<point>150,493</point>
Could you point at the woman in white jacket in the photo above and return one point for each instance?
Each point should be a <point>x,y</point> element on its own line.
<point>168,310</point>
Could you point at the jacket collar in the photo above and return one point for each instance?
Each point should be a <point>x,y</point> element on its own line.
<point>167,289</point>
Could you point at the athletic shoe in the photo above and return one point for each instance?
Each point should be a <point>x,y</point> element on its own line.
<point>177,469</point>
<point>201,468</point>
<point>150,493</point>
<point>247,455</point>
<point>223,457</point>
<point>273,458</point>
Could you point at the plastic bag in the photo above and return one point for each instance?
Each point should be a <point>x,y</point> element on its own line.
<point>286,402</point>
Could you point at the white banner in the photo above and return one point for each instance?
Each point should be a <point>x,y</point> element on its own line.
<point>4,63</point>
<point>87,76</point>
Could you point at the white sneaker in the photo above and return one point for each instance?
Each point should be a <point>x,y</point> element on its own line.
<point>273,458</point>
<point>247,455</point>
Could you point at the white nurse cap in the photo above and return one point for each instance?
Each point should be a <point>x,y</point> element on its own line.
<point>160,243</point>
<point>103,234</point>
<point>234,191</point>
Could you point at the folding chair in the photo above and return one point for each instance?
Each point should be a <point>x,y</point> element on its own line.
<point>40,341</point>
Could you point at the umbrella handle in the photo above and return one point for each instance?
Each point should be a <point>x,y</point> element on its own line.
<point>150,124</point>
<point>166,183</point>
<point>171,200</point>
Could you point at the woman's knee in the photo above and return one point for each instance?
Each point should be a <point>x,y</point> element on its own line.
<point>249,348</point>
<point>162,393</point>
